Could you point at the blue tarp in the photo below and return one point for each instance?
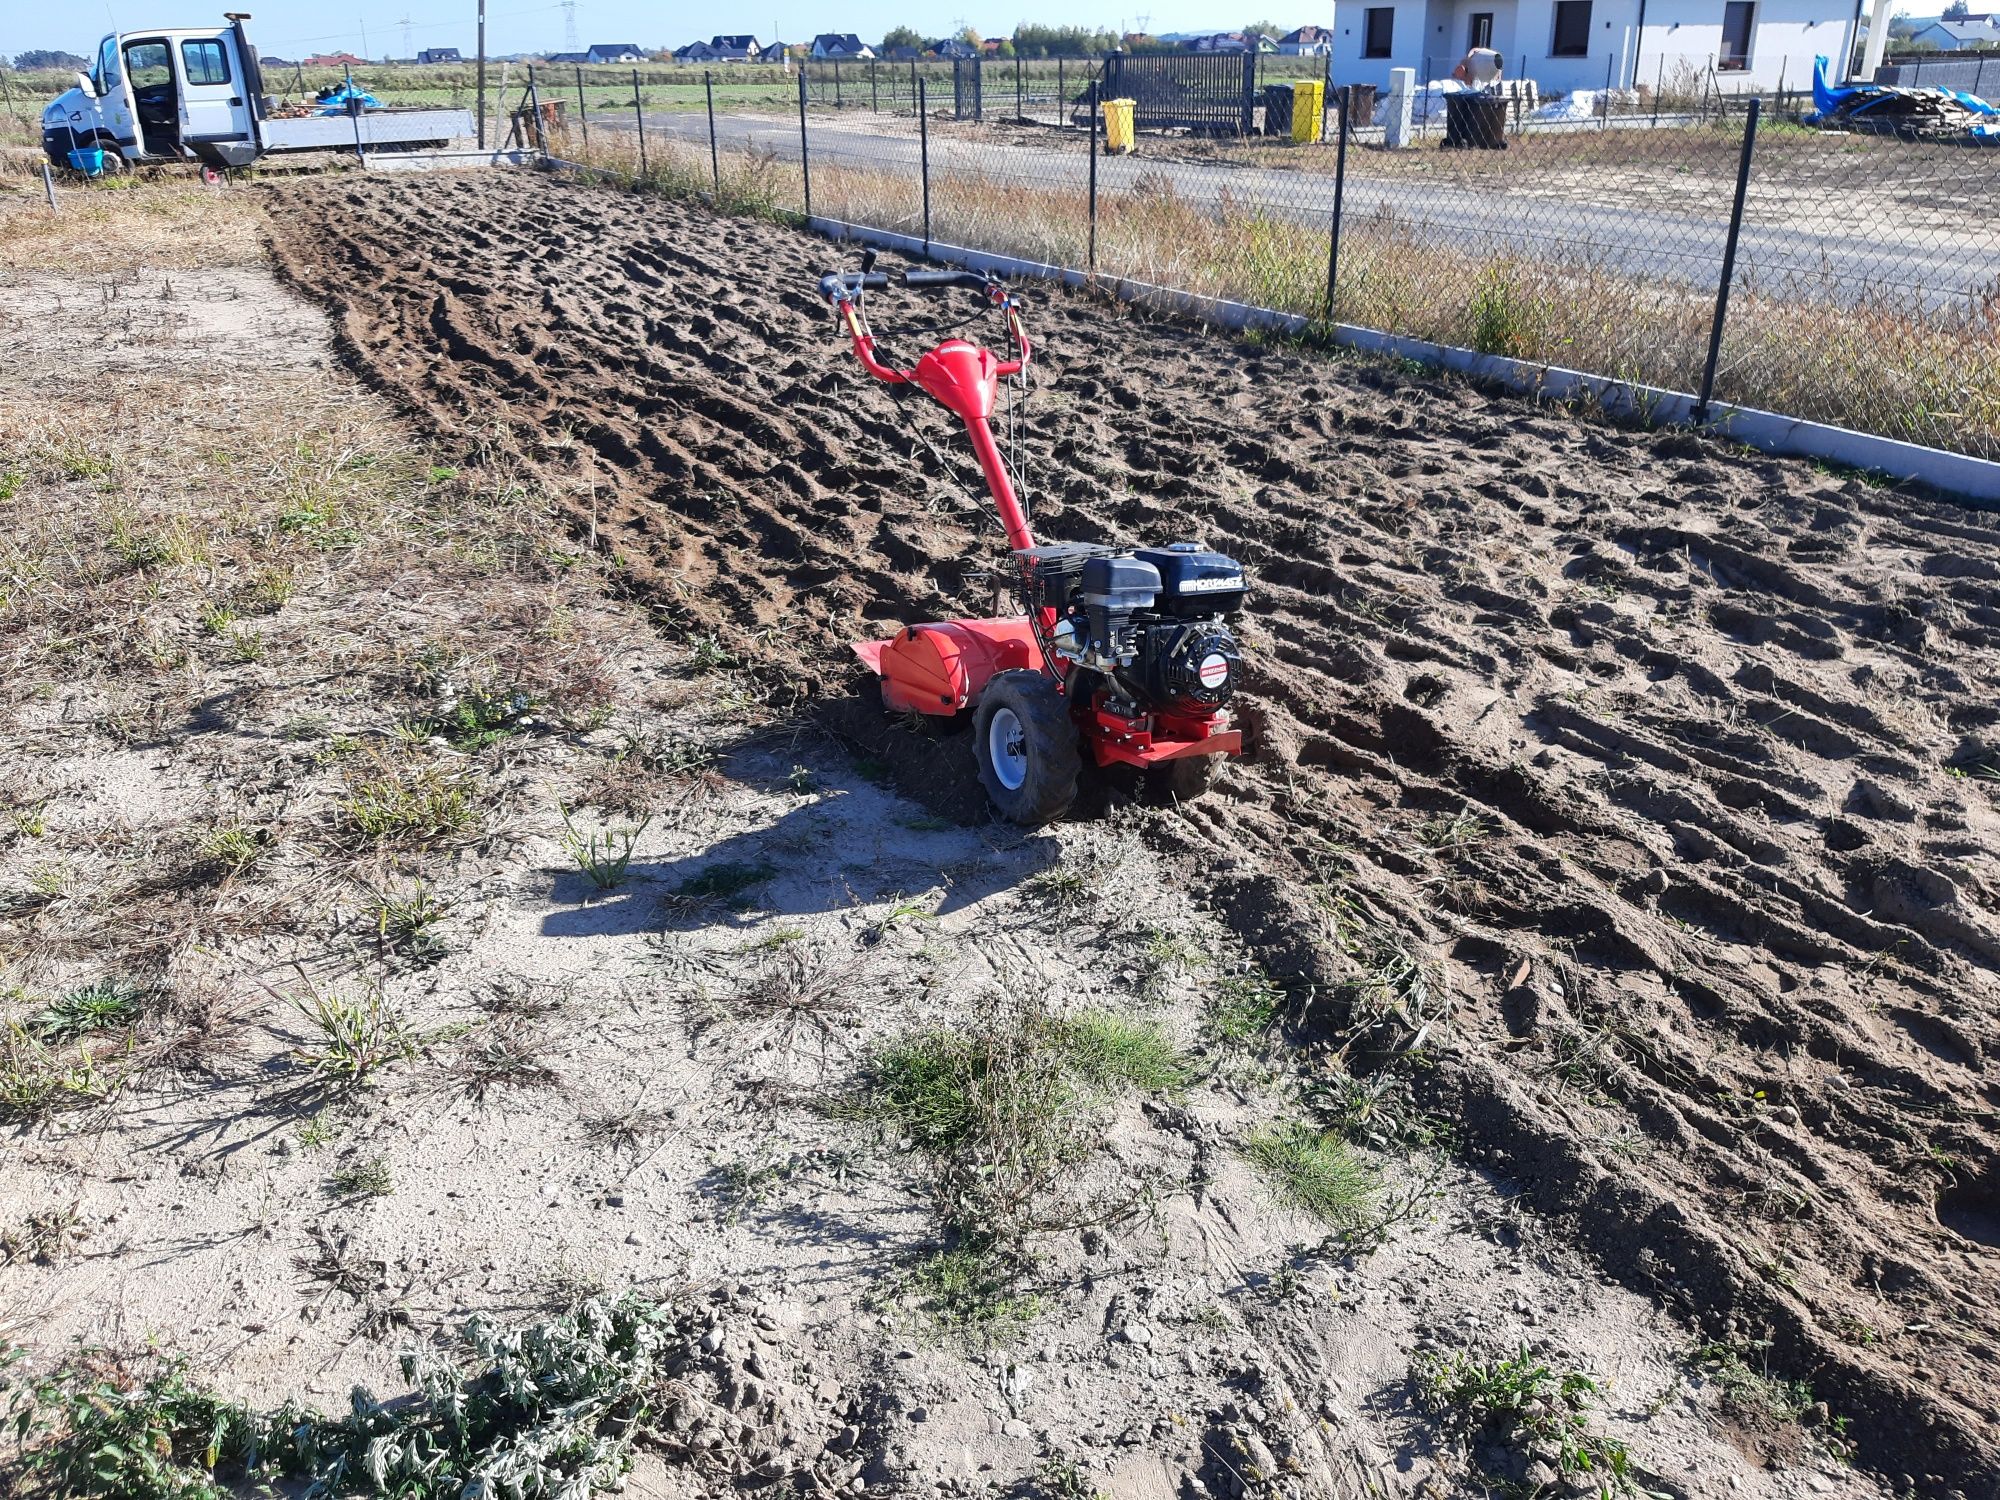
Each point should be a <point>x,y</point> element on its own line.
<point>335,100</point>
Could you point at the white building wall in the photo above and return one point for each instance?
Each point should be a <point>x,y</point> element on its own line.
<point>1785,37</point>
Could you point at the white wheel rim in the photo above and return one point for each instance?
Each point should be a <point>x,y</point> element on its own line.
<point>1007,748</point>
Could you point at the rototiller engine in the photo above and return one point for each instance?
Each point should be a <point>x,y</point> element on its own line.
<point>1126,651</point>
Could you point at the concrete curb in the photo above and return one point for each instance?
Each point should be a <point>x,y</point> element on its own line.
<point>1976,481</point>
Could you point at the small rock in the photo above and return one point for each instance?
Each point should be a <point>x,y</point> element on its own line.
<point>635,1238</point>
<point>920,1414</point>
<point>1138,1333</point>
<point>711,1341</point>
<point>1814,1415</point>
<point>614,1200</point>
<point>1014,1427</point>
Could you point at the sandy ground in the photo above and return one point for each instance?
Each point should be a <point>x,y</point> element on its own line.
<point>1668,769</point>
<point>657,1120</point>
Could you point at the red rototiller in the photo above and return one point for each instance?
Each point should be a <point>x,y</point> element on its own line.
<point>1126,652</point>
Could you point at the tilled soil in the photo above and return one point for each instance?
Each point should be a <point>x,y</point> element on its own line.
<point>1654,783</point>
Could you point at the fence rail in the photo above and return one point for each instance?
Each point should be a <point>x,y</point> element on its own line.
<point>1730,251</point>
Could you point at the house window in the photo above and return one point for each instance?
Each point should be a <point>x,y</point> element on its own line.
<point>1379,31</point>
<point>1572,36</point>
<point>1739,19</point>
<point>1482,29</point>
<point>203,62</point>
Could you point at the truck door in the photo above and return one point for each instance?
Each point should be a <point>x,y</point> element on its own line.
<point>149,75</point>
<point>213,102</point>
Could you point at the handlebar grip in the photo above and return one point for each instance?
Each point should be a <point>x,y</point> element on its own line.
<point>946,278</point>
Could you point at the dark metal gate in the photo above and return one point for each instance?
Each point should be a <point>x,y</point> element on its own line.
<point>1214,92</point>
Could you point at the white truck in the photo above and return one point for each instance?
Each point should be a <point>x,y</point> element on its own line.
<point>197,94</point>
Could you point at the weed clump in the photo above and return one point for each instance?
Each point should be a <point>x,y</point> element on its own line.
<point>1541,1414</point>
<point>547,1409</point>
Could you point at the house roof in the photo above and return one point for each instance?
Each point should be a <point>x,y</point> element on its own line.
<point>1309,34</point>
<point>846,40</point>
<point>734,43</point>
<point>1971,29</point>
<point>618,47</point>
<point>568,57</point>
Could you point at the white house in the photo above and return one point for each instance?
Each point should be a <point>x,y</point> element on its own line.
<point>1583,44</point>
<point>1307,41</point>
<point>614,52</point>
<point>839,46</point>
<point>1956,36</point>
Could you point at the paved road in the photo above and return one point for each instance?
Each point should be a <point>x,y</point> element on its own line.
<point>1644,242</point>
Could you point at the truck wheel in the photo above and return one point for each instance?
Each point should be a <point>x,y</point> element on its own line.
<point>115,165</point>
<point>1185,779</point>
<point>1026,745</point>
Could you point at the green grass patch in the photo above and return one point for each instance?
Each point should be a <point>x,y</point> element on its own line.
<point>972,1289</point>
<point>726,883</point>
<point>1314,1170</point>
<point>106,1005</point>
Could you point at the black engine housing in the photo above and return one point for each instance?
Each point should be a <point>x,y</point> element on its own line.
<point>1153,621</point>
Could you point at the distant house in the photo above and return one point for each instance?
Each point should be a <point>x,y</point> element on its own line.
<point>1307,41</point>
<point>1958,36</point>
<point>614,52</point>
<point>839,46</point>
<point>269,61</point>
<point>567,57</point>
<point>432,55</point>
<point>775,53</point>
<point>1233,41</point>
<point>953,49</point>
<point>721,49</point>
<point>335,60</point>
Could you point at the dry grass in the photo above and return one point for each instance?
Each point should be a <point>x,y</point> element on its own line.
<point>108,226</point>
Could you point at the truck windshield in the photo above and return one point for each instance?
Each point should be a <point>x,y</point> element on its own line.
<point>106,76</point>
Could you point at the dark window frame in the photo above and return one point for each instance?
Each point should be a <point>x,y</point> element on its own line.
<point>132,70</point>
<point>207,43</point>
<point>1734,63</point>
<point>1387,46</point>
<point>1578,44</point>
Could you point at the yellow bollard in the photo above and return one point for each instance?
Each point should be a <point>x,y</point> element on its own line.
<point>1308,110</point>
<point>1118,134</point>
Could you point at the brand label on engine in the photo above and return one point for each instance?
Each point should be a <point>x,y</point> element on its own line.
<point>1214,670</point>
<point>1211,585</point>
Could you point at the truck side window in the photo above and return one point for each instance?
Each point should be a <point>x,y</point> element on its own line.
<point>204,62</point>
<point>107,66</point>
<point>150,64</point>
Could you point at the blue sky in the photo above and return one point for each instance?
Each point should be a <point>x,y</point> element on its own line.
<point>288,28</point>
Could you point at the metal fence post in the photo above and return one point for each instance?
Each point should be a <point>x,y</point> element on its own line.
<point>9,94</point>
<point>354,112</point>
<point>836,83</point>
<point>639,115</point>
<point>535,104</point>
<point>1339,187</point>
<point>1093,180</point>
<point>1728,260</point>
<point>49,187</point>
<point>805,160</point>
<point>924,157</point>
<point>1063,120</point>
<point>1604,116</point>
<point>1020,107</point>
<point>582,109</point>
<point>714,156</point>
<point>874,92</point>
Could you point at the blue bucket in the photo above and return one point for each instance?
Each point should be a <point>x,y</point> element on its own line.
<point>89,161</point>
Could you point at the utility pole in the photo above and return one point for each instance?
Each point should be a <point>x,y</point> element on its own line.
<point>481,115</point>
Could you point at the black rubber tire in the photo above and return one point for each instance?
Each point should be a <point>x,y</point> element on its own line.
<point>115,164</point>
<point>1048,742</point>
<point>1185,779</point>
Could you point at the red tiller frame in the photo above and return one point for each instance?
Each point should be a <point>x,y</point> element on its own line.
<point>941,667</point>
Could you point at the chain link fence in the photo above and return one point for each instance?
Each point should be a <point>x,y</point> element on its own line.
<point>1862,283</point>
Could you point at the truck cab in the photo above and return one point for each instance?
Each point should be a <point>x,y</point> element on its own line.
<point>166,94</point>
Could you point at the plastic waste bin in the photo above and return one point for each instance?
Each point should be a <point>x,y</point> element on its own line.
<point>1118,135</point>
<point>1475,122</point>
<point>1308,110</point>
<point>1277,109</point>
